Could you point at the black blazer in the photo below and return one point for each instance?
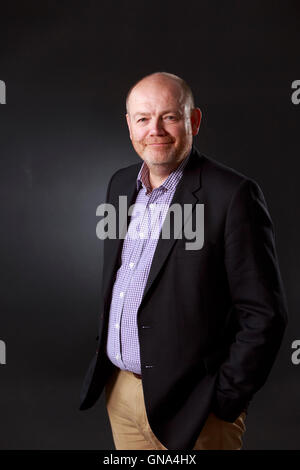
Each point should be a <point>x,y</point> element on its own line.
<point>211,321</point>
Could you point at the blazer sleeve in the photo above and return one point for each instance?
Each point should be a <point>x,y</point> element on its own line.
<point>258,300</point>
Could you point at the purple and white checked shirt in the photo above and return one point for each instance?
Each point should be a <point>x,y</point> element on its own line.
<point>139,245</point>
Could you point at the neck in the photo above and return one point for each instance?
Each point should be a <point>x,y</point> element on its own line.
<point>159,173</point>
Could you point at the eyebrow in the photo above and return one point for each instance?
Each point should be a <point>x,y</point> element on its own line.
<point>147,114</point>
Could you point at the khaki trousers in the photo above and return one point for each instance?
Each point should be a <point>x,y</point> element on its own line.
<point>131,430</point>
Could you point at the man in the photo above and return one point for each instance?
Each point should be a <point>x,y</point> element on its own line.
<point>187,336</point>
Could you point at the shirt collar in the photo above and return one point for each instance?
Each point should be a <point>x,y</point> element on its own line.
<point>169,183</point>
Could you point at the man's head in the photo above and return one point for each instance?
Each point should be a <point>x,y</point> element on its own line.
<point>162,119</point>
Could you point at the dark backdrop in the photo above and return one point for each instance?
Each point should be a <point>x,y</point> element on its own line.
<point>67,68</point>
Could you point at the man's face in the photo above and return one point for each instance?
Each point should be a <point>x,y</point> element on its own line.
<point>160,122</point>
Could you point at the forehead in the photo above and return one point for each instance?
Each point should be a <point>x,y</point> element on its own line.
<point>152,95</point>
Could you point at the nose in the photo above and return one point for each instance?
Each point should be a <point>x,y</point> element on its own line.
<point>157,127</point>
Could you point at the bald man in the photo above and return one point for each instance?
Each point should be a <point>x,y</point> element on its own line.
<point>189,331</point>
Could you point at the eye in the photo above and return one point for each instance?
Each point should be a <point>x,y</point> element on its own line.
<point>141,119</point>
<point>171,118</point>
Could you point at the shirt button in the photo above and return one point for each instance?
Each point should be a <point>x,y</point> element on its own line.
<point>117,326</point>
<point>117,356</point>
<point>152,206</point>
<point>131,265</point>
<point>121,294</point>
<point>141,235</point>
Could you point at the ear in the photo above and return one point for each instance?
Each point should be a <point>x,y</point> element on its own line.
<point>128,124</point>
<point>196,116</point>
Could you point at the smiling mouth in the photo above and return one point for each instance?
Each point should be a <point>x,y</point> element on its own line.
<point>163,143</point>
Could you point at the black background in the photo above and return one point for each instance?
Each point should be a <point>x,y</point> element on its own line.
<point>67,68</point>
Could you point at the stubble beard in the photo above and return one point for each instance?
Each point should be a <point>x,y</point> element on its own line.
<point>163,157</point>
